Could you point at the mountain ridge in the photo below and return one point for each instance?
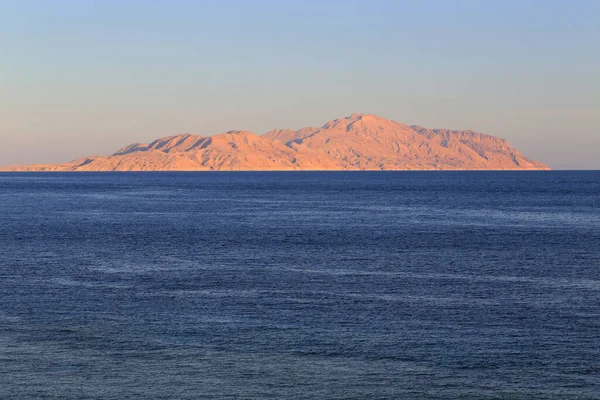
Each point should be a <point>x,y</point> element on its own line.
<point>356,142</point>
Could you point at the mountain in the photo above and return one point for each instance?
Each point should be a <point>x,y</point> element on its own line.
<point>357,142</point>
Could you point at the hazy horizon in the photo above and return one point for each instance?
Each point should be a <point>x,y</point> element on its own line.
<point>86,79</point>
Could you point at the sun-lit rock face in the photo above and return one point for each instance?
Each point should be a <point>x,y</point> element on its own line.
<point>357,142</point>
<point>363,141</point>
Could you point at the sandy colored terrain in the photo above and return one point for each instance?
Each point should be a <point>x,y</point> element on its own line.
<point>357,142</point>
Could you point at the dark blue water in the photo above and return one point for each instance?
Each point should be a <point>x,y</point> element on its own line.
<point>330,285</point>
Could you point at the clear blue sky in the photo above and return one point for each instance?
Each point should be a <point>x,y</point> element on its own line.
<point>86,77</point>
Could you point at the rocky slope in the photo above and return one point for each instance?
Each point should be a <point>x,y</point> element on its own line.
<point>357,142</point>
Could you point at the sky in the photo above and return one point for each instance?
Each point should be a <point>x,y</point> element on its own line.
<point>83,77</point>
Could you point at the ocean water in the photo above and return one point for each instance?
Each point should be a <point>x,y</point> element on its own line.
<point>331,285</point>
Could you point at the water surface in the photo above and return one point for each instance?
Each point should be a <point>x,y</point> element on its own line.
<point>435,285</point>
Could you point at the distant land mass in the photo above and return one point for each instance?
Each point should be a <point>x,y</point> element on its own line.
<point>357,142</point>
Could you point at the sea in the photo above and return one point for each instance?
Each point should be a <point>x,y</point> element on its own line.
<point>300,285</point>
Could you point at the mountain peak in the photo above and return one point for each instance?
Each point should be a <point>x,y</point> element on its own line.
<point>359,121</point>
<point>343,122</point>
<point>366,117</point>
<point>356,142</point>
